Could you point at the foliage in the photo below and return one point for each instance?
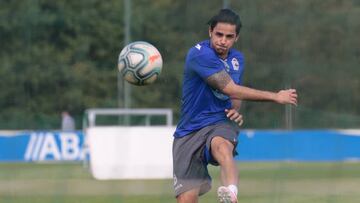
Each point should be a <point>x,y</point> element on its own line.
<point>62,55</point>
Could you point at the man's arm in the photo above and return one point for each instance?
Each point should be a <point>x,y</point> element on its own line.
<point>236,104</point>
<point>223,82</point>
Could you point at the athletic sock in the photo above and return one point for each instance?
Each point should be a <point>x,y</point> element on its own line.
<point>233,188</point>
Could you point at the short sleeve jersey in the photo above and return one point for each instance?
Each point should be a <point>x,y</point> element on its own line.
<point>202,105</point>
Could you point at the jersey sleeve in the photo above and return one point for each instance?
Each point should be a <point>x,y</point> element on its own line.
<point>205,65</point>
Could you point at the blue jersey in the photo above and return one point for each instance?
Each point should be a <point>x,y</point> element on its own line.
<point>202,105</point>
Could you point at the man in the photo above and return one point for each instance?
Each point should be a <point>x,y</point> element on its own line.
<point>211,97</point>
<point>67,122</point>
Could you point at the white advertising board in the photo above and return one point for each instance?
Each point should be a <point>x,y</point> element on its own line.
<point>130,152</point>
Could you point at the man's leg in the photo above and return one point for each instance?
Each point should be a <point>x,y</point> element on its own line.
<point>222,151</point>
<point>191,177</point>
<point>190,196</point>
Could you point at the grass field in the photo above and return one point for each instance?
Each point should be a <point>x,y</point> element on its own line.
<point>270,182</point>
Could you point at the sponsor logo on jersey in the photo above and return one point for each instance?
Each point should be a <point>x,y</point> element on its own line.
<point>219,95</point>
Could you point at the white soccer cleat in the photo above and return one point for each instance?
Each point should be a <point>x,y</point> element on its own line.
<point>225,195</point>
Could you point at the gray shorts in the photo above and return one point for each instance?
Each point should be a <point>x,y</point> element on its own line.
<point>191,155</point>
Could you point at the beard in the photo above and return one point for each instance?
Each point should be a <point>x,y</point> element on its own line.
<point>221,50</point>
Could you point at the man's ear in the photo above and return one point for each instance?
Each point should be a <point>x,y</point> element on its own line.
<point>210,32</point>
<point>237,37</point>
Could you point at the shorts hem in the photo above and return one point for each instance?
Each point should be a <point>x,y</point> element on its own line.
<point>204,188</point>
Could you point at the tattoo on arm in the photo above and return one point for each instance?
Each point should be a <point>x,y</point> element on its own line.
<point>219,80</point>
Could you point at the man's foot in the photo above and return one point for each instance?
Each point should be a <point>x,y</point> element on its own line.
<point>225,195</point>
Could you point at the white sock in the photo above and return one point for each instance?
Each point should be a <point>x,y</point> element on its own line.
<point>233,189</point>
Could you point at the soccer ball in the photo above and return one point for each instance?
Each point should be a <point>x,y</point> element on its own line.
<point>140,63</point>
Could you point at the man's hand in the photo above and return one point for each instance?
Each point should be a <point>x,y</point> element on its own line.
<point>235,116</point>
<point>286,97</point>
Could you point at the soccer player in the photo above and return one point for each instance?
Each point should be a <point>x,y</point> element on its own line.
<point>211,94</point>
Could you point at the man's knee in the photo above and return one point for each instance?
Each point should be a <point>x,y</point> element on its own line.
<point>221,149</point>
<point>190,196</point>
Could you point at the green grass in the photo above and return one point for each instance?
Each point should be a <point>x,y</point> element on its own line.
<point>260,182</point>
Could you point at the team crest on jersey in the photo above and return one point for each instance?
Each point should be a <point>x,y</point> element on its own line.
<point>235,63</point>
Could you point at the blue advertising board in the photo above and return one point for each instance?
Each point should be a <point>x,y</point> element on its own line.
<point>37,146</point>
<point>254,145</point>
<point>299,145</point>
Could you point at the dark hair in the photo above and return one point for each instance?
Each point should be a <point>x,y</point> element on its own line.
<point>226,16</point>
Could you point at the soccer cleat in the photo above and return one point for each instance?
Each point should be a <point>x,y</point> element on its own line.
<point>225,195</point>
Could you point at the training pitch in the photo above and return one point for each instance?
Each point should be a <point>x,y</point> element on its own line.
<point>260,182</point>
